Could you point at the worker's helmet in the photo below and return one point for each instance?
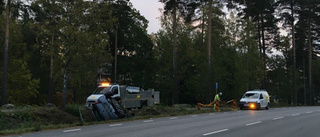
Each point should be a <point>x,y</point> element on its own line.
<point>220,93</point>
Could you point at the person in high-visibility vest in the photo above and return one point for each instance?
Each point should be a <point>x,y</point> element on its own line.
<point>217,98</point>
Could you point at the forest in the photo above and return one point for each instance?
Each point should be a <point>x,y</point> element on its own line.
<point>52,49</point>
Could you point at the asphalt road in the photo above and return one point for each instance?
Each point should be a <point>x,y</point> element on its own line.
<point>276,122</point>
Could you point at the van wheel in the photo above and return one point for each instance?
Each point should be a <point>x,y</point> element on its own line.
<point>267,107</point>
<point>259,107</point>
<point>143,104</point>
<point>120,111</point>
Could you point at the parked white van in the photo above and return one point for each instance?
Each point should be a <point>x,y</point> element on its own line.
<point>255,99</point>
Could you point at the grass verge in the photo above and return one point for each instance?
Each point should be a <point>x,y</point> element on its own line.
<point>32,119</point>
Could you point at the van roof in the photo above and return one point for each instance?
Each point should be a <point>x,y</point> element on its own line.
<point>255,91</point>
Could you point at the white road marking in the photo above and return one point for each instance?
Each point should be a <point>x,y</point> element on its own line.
<point>148,121</point>
<point>174,118</point>
<point>71,130</point>
<point>211,114</point>
<point>194,115</point>
<point>115,125</point>
<point>277,118</point>
<point>295,114</point>
<point>249,124</point>
<point>215,132</point>
<point>309,112</point>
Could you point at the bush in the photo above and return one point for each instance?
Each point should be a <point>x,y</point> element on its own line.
<point>15,119</point>
<point>72,109</point>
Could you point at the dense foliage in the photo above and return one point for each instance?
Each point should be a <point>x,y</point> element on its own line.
<point>56,47</point>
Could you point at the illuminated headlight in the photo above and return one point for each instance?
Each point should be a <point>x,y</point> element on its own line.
<point>252,105</point>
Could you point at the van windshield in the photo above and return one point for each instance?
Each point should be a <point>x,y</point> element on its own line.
<point>251,95</point>
<point>101,90</point>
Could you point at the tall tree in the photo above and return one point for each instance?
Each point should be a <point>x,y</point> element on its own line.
<point>5,62</point>
<point>185,8</point>
<point>21,86</point>
<point>307,34</point>
<point>47,19</point>
<point>209,50</point>
<point>241,37</point>
<point>72,35</point>
<point>88,43</point>
<point>171,7</point>
<point>261,12</point>
<point>287,12</point>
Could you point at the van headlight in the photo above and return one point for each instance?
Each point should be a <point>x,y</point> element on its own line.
<point>252,105</point>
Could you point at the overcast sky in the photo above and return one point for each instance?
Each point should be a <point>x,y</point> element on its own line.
<point>150,10</point>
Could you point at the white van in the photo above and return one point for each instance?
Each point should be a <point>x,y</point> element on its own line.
<point>255,99</point>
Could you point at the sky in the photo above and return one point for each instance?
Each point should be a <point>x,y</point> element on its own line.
<point>150,10</point>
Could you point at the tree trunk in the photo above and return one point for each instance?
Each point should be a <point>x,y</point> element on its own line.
<point>65,86</point>
<point>294,57</point>
<point>310,61</point>
<point>65,78</point>
<point>259,38</point>
<point>116,54</point>
<point>209,53</point>
<point>202,27</point>
<point>5,60</point>
<point>264,53</point>
<point>175,54</point>
<point>67,60</point>
<point>50,95</point>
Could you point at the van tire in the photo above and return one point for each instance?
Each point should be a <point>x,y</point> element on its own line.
<point>120,111</point>
<point>267,107</point>
<point>259,107</point>
<point>143,104</point>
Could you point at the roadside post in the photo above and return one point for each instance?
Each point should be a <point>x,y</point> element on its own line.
<point>216,87</point>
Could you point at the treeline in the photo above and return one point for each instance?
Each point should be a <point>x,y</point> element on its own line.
<point>56,47</point>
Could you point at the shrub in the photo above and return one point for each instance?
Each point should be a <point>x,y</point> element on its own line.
<point>72,109</point>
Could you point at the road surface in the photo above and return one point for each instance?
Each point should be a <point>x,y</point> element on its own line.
<point>276,122</point>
